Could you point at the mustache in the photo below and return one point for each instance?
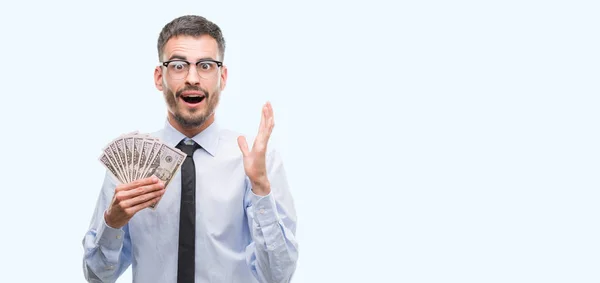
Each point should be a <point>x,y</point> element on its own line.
<point>191,88</point>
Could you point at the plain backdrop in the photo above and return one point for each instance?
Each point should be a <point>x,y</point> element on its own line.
<point>425,141</point>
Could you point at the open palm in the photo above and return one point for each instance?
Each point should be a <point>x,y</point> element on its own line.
<point>254,159</point>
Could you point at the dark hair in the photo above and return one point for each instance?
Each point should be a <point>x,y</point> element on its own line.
<point>190,25</point>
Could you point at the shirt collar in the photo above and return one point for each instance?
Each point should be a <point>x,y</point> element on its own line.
<point>208,139</point>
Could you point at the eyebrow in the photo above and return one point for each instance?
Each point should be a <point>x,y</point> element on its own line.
<point>175,56</point>
<point>179,57</point>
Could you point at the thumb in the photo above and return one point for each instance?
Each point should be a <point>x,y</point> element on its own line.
<point>243,145</point>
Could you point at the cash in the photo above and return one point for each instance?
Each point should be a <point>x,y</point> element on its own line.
<point>135,156</point>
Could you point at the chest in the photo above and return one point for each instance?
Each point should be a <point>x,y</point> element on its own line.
<point>219,201</point>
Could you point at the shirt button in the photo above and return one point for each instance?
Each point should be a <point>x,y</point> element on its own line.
<point>262,211</point>
<point>110,267</point>
<point>118,236</point>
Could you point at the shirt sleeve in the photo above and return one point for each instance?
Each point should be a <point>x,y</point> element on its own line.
<point>273,253</point>
<point>107,251</point>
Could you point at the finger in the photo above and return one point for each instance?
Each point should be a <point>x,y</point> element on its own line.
<point>269,131</point>
<point>268,127</point>
<point>265,112</point>
<point>270,123</point>
<point>243,145</point>
<point>263,128</point>
<point>129,194</point>
<point>270,110</point>
<point>135,209</point>
<point>141,199</point>
<point>137,183</point>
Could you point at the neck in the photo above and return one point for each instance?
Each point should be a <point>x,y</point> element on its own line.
<point>191,132</point>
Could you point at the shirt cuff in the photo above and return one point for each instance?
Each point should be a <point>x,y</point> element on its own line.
<point>109,237</point>
<point>265,212</point>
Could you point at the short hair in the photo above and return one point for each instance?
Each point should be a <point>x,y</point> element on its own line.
<point>190,25</point>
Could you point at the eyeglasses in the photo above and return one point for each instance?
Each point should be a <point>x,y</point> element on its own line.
<point>178,69</point>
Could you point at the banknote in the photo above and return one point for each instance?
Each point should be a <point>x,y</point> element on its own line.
<point>135,155</point>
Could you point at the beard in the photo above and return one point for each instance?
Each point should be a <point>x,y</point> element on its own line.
<point>191,118</point>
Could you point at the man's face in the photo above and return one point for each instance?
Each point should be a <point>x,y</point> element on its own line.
<point>191,90</point>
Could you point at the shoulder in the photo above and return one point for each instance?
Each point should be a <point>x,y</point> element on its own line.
<point>228,142</point>
<point>157,133</point>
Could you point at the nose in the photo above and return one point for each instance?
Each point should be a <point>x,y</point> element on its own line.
<point>192,77</point>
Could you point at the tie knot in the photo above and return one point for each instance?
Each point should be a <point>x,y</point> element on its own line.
<point>188,146</point>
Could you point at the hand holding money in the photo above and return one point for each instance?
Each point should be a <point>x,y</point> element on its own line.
<point>131,198</point>
<point>133,157</point>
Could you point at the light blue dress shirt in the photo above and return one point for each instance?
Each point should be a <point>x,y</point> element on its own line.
<point>240,236</point>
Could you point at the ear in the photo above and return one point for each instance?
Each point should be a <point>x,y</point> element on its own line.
<point>223,77</point>
<point>158,78</point>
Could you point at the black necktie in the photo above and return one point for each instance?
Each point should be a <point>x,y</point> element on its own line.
<point>187,215</point>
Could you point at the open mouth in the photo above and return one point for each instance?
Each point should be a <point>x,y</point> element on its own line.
<point>193,99</point>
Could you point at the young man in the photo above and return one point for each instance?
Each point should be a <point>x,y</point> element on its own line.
<point>227,215</point>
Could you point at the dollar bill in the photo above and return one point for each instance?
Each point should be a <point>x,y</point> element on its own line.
<point>118,160</point>
<point>124,161</point>
<point>147,145</point>
<point>111,168</point>
<point>128,142</point>
<point>110,155</point>
<point>134,156</point>
<point>152,155</point>
<point>137,152</point>
<point>165,165</point>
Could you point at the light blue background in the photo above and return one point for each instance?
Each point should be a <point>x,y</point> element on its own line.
<point>425,141</point>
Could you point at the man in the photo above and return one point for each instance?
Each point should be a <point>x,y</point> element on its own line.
<point>227,215</point>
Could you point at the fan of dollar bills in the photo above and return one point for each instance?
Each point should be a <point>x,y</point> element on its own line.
<point>135,156</point>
